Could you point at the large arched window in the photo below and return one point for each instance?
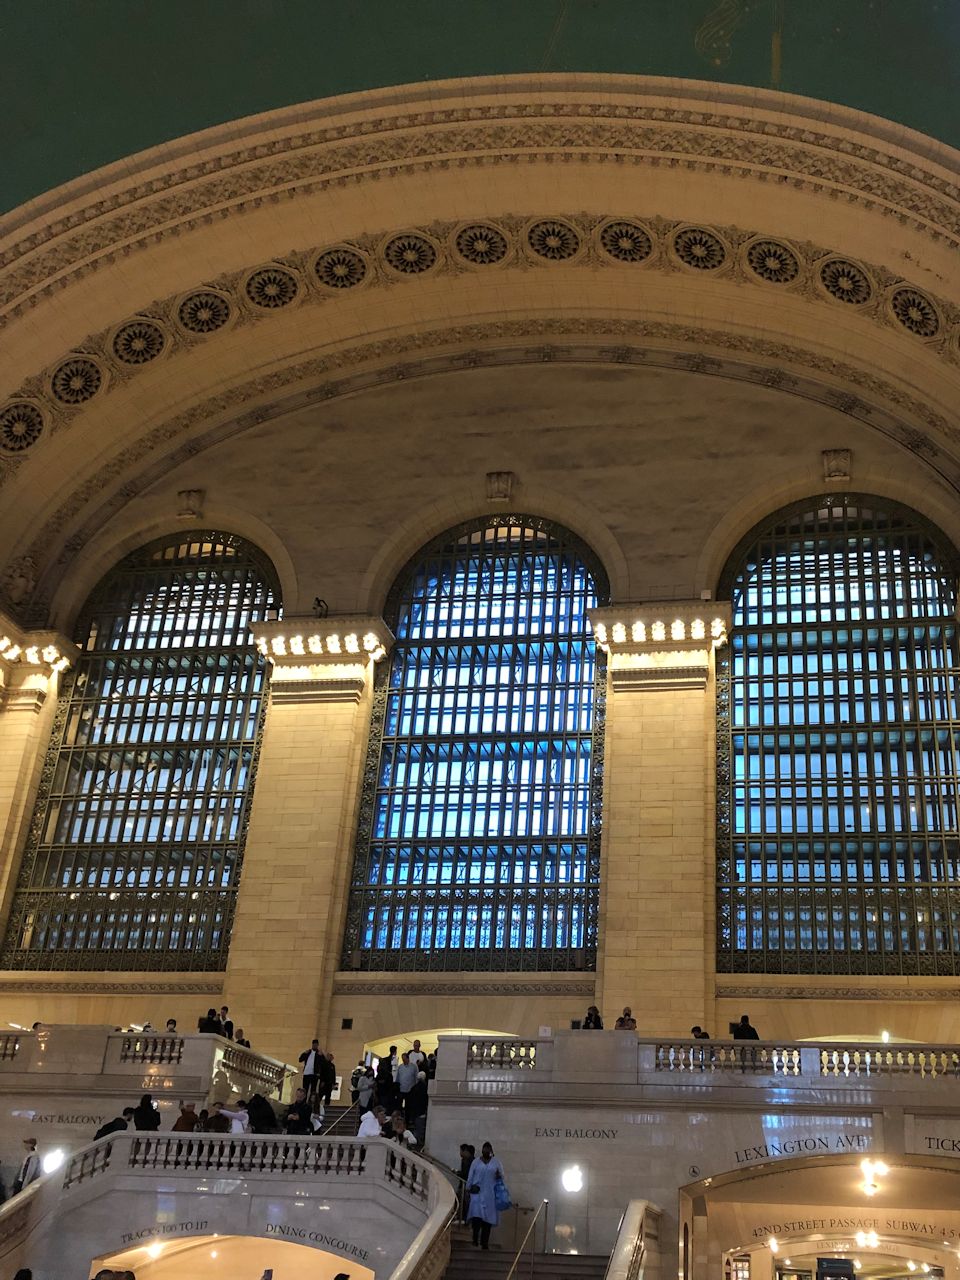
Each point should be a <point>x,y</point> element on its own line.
<point>478,844</point>
<point>837,840</point>
<point>134,853</point>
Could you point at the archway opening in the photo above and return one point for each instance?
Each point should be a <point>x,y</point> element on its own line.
<point>224,1257</point>
<point>429,1039</point>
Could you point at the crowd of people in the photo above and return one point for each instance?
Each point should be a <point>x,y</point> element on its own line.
<point>593,1021</point>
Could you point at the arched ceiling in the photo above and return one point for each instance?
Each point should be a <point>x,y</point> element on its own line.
<point>86,85</point>
<point>655,308</point>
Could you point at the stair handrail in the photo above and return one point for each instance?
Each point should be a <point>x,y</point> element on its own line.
<point>630,1258</point>
<point>342,1116</point>
<point>533,1222</point>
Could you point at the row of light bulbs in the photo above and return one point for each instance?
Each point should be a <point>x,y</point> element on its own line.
<point>32,654</point>
<point>617,633</point>
<point>333,644</point>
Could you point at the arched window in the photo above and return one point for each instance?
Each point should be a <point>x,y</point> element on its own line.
<point>837,840</point>
<point>478,844</point>
<point>134,852</point>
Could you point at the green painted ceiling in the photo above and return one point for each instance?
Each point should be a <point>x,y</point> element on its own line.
<point>85,82</point>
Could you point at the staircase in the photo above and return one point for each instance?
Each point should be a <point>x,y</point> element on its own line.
<point>468,1263</point>
<point>343,1125</point>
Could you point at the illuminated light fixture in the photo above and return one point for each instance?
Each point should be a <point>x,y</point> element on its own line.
<point>880,1169</point>
<point>315,644</point>
<point>351,643</point>
<point>870,1188</point>
<point>911,1266</point>
<point>619,633</point>
<point>297,646</point>
<point>572,1178</point>
<point>154,1250</point>
<point>925,1266</point>
<point>638,633</point>
<point>857,1264</point>
<point>773,1244</point>
<point>213,1253</point>
<point>677,630</point>
<point>279,646</point>
<point>53,1160</point>
<point>885,1037</point>
<point>698,629</point>
<point>788,1262</point>
<point>599,631</point>
<point>657,632</point>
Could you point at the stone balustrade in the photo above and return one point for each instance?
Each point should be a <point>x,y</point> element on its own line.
<point>622,1058</point>
<point>389,1205</point>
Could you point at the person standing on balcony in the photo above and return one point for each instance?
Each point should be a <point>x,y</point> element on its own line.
<point>119,1125</point>
<point>188,1120</point>
<point>225,1023</point>
<point>626,1021</point>
<point>371,1126</point>
<point>29,1169</point>
<point>482,1211</point>
<point>171,1026</point>
<point>297,1118</point>
<point>145,1115</point>
<point>593,1021</point>
<point>744,1031</point>
<point>210,1025</point>
<point>311,1068</point>
<point>238,1039</point>
<point>238,1117</point>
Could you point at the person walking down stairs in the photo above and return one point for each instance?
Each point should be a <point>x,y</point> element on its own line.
<point>485,1172</point>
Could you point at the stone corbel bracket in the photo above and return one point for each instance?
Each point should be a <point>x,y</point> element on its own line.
<point>30,662</point>
<point>665,645</point>
<point>322,659</point>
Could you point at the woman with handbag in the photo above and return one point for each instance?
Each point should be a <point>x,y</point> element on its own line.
<point>488,1195</point>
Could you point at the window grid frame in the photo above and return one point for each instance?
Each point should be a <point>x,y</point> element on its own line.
<point>498,898</point>
<point>868,918</point>
<point>170,923</point>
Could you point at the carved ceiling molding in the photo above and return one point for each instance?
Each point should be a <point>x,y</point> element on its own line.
<point>758,992</point>
<point>715,139</point>
<point>50,400</point>
<point>113,987</point>
<point>857,392</point>
<point>401,985</point>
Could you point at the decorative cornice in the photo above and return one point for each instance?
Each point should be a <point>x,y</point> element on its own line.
<point>758,992</point>
<point>856,392</point>
<point>112,987</point>
<point>660,646</point>
<point>49,400</point>
<point>735,139</point>
<point>403,986</point>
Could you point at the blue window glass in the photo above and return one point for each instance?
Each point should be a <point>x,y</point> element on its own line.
<point>838,731</point>
<point>134,853</point>
<point>478,843</point>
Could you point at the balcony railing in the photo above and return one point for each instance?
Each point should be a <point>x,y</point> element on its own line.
<point>568,1054</point>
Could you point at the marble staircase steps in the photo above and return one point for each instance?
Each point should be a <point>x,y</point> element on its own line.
<point>468,1263</point>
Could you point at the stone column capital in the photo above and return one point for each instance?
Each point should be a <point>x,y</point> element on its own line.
<point>322,659</point>
<point>666,644</point>
<point>29,664</point>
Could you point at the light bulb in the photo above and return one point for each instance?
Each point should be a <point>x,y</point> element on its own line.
<point>880,1169</point>
<point>773,1244</point>
<point>53,1160</point>
<point>154,1250</point>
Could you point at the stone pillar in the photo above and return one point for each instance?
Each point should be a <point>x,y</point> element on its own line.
<point>30,666</point>
<point>656,932</point>
<point>285,946</point>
